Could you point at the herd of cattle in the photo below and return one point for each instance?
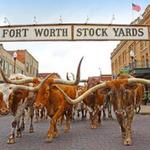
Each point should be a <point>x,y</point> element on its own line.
<point>62,98</point>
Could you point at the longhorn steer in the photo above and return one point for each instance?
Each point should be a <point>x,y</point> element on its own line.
<point>122,100</point>
<point>94,102</point>
<point>50,97</point>
<point>17,100</point>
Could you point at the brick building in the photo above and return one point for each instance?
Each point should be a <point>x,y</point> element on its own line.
<point>30,63</point>
<point>133,55</point>
<point>104,77</point>
<point>25,62</point>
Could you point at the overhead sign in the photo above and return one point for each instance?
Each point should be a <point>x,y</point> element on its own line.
<point>100,32</point>
<point>35,33</point>
<point>73,32</point>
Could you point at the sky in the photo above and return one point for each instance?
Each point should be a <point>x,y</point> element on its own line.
<point>62,57</point>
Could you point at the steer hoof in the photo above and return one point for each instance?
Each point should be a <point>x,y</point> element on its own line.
<point>66,130</point>
<point>11,141</point>
<point>127,142</point>
<point>49,140</point>
<point>93,126</point>
<point>18,135</point>
<point>22,127</point>
<point>55,135</point>
<point>31,130</point>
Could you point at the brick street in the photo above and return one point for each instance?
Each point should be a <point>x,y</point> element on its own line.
<point>81,137</point>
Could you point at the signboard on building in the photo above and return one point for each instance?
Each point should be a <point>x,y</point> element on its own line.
<point>73,32</point>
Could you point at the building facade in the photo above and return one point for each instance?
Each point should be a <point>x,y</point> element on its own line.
<point>104,77</point>
<point>25,63</point>
<point>30,63</point>
<point>133,56</point>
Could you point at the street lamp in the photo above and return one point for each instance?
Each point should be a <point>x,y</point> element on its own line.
<point>14,57</point>
<point>132,55</point>
<point>100,73</point>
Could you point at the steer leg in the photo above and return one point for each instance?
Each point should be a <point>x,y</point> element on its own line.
<point>128,136</point>
<point>91,113</point>
<point>18,133</point>
<point>22,122</point>
<point>11,138</point>
<point>121,121</point>
<point>91,119</point>
<point>99,117</point>
<point>94,116</point>
<point>104,114</point>
<point>31,113</point>
<point>52,132</point>
<point>19,112</point>
<point>109,111</point>
<point>68,121</point>
<point>36,115</point>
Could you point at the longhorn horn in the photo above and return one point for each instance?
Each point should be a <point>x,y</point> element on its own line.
<point>73,77</point>
<point>73,82</point>
<point>84,95</point>
<point>139,80</point>
<point>67,76</point>
<point>21,81</point>
<point>28,88</point>
<point>102,85</point>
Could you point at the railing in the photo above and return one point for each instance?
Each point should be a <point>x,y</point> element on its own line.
<point>139,64</point>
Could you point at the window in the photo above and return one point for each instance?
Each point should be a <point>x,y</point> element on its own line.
<point>147,62</point>
<point>27,67</point>
<point>1,61</point>
<point>132,48</point>
<point>10,69</point>
<point>143,45</point>
<point>119,61</point>
<point>6,68</point>
<point>3,65</point>
<point>142,63</point>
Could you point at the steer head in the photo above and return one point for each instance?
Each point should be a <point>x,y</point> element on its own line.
<point>3,106</point>
<point>43,92</point>
<point>117,91</point>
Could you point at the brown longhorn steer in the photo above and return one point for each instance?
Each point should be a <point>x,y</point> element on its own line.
<point>50,97</point>
<point>123,101</point>
<point>17,101</point>
<point>94,102</point>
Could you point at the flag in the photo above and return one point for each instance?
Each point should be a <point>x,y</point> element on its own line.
<point>136,7</point>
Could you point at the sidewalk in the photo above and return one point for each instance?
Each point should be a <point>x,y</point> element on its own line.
<point>145,110</point>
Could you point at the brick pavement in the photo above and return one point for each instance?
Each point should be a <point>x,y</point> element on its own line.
<point>81,137</point>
